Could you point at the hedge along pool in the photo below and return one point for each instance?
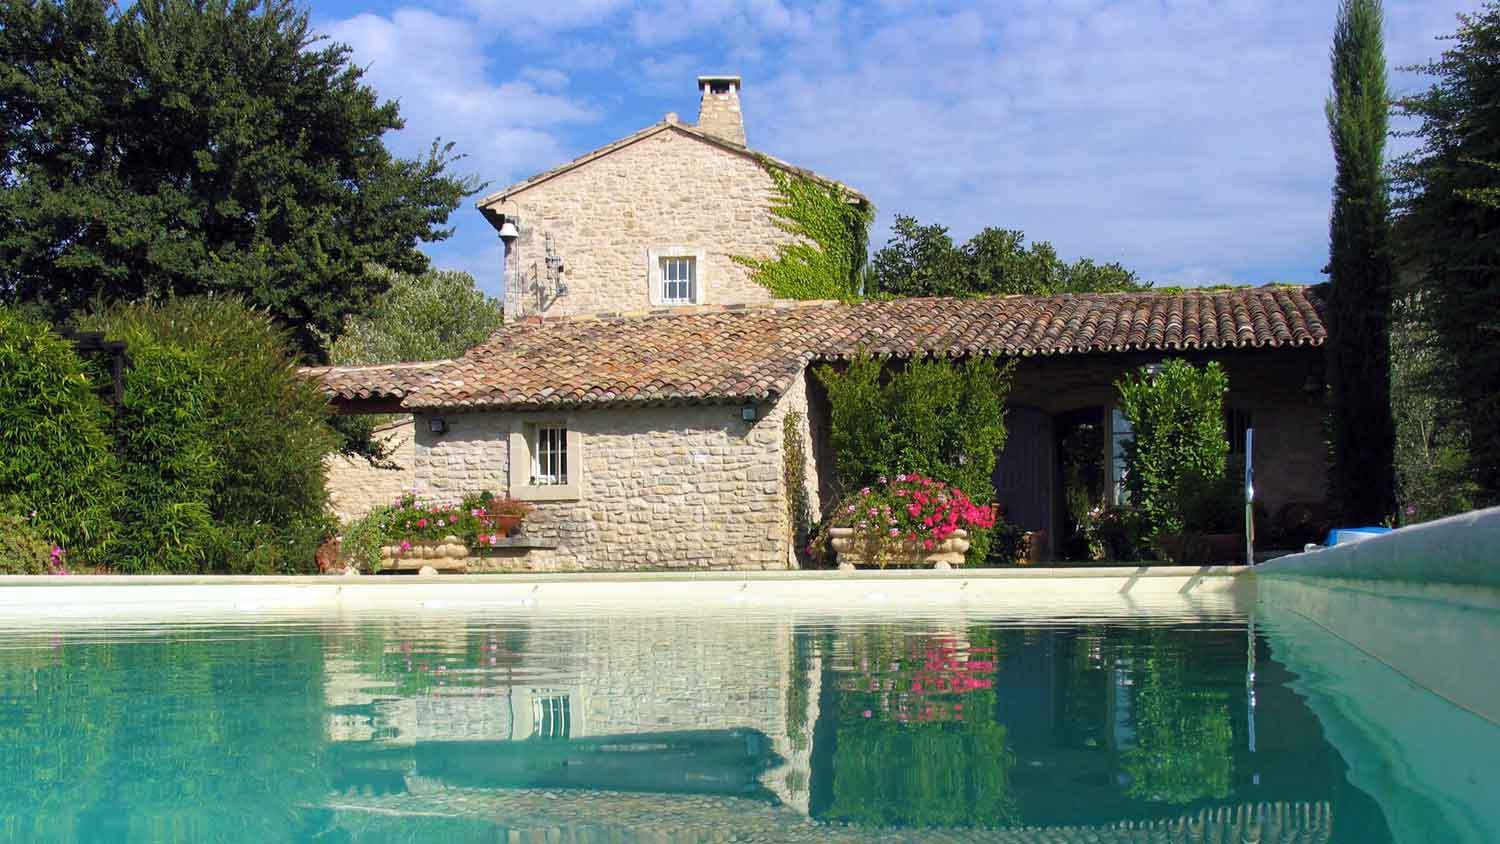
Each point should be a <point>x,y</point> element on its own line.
<point>911,709</point>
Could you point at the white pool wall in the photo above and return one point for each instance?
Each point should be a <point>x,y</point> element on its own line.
<point>1463,550</point>
<point>1037,593</point>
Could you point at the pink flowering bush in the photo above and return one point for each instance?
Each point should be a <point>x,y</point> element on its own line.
<point>908,512</point>
<point>480,519</point>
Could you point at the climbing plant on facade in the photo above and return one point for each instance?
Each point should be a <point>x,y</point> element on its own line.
<point>833,228</point>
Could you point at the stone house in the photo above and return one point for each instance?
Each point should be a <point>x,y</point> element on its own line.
<point>654,219</point>
<point>655,404</point>
<point>695,437</point>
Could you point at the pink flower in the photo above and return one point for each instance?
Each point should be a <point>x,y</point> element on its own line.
<point>865,491</point>
<point>421,523</point>
<point>895,532</point>
<point>452,517</point>
<point>927,543</point>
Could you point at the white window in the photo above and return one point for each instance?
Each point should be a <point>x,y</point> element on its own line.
<point>553,716</point>
<point>679,281</point>
<point>546,459</point>
<point>675,276</point>
<point>549,456</point>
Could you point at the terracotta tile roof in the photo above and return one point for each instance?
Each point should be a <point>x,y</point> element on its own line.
<point>380,381</point>
<point>752,353</point>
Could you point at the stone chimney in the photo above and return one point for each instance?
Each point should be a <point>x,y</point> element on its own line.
<point>719,109</point>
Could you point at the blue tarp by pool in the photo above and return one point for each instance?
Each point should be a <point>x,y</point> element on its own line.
<point>1344,535</point>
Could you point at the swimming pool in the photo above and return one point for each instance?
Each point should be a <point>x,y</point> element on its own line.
<point>1179,715</point>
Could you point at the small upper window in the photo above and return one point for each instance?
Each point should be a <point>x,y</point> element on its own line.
<point>679,280</point>
<point>549,464</point>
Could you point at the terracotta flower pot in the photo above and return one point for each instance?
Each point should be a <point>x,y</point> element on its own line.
<point>505,525</point>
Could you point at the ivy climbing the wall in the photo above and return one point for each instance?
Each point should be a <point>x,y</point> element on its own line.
<point>833,226</point>
<point>799,509</point>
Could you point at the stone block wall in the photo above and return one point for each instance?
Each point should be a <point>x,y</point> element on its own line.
<point>692,487</point>
<point>355,487</point>
<point>668,191</point>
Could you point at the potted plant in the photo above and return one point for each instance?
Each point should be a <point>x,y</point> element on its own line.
<point>909,520</point>
<point>1211,515</point>
<point>443,532</point>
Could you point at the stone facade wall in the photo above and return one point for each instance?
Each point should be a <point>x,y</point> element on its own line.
<point>669,191</point>
<point>672,487</point>
<point>355,487</point>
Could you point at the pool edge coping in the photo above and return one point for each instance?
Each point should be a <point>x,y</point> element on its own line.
<point>601,578</point>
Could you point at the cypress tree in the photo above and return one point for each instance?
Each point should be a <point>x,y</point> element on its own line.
<point>1362,431</point>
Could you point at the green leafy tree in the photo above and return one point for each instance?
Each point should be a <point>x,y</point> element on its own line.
<point>1449,204</point>
<point>923,260</point>
<point>429,316</point>
<point>190,146</point>
<point>165,438</point>
<point>1432,447</point>
<point>935,417</point>
<point>57,461</point>
<point>1177,414</point>
<point>267,425</point>
<point>1362,430</point>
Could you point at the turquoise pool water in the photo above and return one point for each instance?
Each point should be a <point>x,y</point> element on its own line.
<point>1225,723</point>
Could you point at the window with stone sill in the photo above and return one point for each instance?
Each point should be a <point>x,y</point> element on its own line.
<point>546,461</point>
<point>675,276</point>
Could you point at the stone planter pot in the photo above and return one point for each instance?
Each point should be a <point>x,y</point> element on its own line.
<point>948,553</point>
<point>449,553</point>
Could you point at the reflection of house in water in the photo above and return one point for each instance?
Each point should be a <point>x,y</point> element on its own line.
<point>696,705</point>
<point>658,729</point>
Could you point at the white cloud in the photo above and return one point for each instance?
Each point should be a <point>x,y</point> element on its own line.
<point>531,18</point>
<point>436,66</point>
<point>1185,139</point>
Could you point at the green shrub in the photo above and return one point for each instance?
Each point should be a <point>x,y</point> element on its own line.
<point>169,451</point>
<point>57,460</point>
<point>1177,414</point>
<point>364,537</point>
<point>23,550</point>
<point>275,549</point>
<point>1210,505</point>
<point>933,417</point>
<point>268,426</point>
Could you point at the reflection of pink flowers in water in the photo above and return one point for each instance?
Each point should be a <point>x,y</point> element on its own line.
<point>936,670</point>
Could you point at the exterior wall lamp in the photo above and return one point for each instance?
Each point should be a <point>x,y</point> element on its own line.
<point>508,231</point>
<point>437,425</point>
<point>749,413</point>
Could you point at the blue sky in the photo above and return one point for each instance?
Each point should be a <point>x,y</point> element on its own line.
<point>1183,138</point>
